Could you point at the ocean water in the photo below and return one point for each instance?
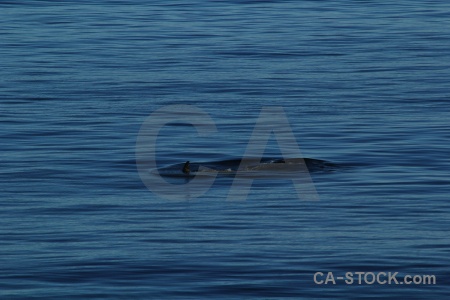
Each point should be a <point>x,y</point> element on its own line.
<point>363,84</point>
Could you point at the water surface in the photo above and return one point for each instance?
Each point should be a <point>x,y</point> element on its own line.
<point>364,85</point>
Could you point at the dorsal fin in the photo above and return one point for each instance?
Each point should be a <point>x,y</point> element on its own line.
<point>186,169</point>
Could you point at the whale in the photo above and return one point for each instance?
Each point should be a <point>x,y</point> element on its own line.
<point>251,167</point>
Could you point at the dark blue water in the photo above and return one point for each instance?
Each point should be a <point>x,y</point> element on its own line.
<point>365,87</point>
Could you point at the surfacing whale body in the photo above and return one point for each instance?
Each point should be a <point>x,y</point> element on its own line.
<point>264,167</point>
